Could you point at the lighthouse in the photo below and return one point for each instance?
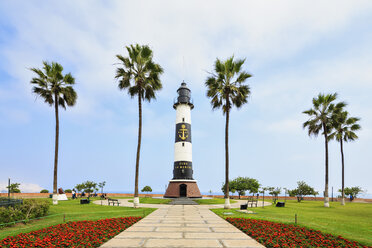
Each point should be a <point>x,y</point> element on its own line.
<point>183,183</point>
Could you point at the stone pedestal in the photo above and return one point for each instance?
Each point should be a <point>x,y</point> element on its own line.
<point>62,197</point>
<point>182,188</point>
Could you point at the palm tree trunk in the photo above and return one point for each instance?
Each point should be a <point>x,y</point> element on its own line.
<point>55,196</point>
<point>326,198</point>
<point>136,199</point>
<point>343,174</point>
<point>227,200</point>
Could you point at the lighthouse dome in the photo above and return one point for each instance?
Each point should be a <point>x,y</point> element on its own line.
<point>184,96</point>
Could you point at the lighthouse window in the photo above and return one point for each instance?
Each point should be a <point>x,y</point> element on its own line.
<point>183,119</point>
<point>183,144</point>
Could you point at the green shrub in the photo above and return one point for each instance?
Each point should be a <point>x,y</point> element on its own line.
<point>44,191</point>
<point>10,214</point>
<point>68,191</point>
<point>30,209</point>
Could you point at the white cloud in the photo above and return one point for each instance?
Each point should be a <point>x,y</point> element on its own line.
<point>198,32</point>
<point>24,187</point>
<point>285,126</point>
<point>13,115</point>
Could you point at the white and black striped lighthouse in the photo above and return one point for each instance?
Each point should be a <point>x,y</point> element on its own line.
<point>183,183</point>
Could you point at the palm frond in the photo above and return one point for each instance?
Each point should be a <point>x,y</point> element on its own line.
<point>226,84</point>
<point>44,93</point>
<point>139,73</point>
<point>69,95</point>
<point>51,81</point>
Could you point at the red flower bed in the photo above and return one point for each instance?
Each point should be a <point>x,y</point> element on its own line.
<point>72,234</point>
<point>272,234</point>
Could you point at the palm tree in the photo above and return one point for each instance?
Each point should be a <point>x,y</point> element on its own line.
<point>344,131</point>
<point>226,89</point>
<point>320,119</point>
<point>56,89</point>
<point>140,76</point>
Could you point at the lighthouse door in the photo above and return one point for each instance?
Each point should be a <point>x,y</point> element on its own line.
<point>183,190</point>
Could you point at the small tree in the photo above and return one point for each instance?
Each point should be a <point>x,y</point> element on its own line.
<point>44,191</point>
<point>252,185</point>
<point>242,184</point>
<point>14,188</point>
<point>146,189</point>
<point>90,186</point>
<point>352,192</point>
<point>68,191</point>
<point>274,192</point>
<point>101,185</point>
<point>285,194</point>
<point>302,190</point>
<point>315,193</point>
<point>79,187</point>
<point>231,189</point>
<point>262,191</point>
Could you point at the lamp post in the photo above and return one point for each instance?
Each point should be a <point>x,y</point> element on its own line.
<point>8,188</point>
<point>285,194</point>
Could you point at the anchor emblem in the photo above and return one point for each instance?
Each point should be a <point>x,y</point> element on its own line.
<point>183,133</point>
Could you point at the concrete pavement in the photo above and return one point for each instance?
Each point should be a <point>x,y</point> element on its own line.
<point>181,226</point>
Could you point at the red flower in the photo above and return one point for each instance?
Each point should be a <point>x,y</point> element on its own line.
<point>272,234</point>
<point>72,234</point>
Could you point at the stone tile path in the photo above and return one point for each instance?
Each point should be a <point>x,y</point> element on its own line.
<point>182,226</point>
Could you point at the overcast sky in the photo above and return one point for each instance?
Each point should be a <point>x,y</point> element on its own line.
<point>294,50</point>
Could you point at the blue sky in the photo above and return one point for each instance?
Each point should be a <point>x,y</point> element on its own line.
<point>294,49</point>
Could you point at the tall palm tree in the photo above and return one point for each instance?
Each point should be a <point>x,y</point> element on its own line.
<point>344,130</point>
<point>56,89</point>
<point>321,120</point>
<point>140,76</point>
<point>226,89</point>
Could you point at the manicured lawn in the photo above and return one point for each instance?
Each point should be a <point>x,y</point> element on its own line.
<point>149,200</point>
<point>74,211</point>
<point>352,221</point>
<point>212,201</point>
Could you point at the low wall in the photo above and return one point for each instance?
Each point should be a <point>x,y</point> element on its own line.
<point>46,195</point>
<point>281,198</point>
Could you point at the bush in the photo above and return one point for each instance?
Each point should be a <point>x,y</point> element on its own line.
<point>30,209</point>
<point>44,191</point>
<point>302,190</point>
<point>146,189</point>
<point>68,191</point>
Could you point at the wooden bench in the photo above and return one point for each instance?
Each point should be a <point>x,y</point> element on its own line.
<point>252,201</point>
<point>84,201</point>
<point>113,201</point>
<point>10,202</point>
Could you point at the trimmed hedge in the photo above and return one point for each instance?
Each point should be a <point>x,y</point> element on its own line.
<point>30,209</point>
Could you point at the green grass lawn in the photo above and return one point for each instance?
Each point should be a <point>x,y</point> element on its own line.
<point>73,211</point>
<point>352,221</point>
<point>212,201</point>
<point>149,200</point>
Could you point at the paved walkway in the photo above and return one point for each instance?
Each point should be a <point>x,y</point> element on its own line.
<point>181,226</point>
